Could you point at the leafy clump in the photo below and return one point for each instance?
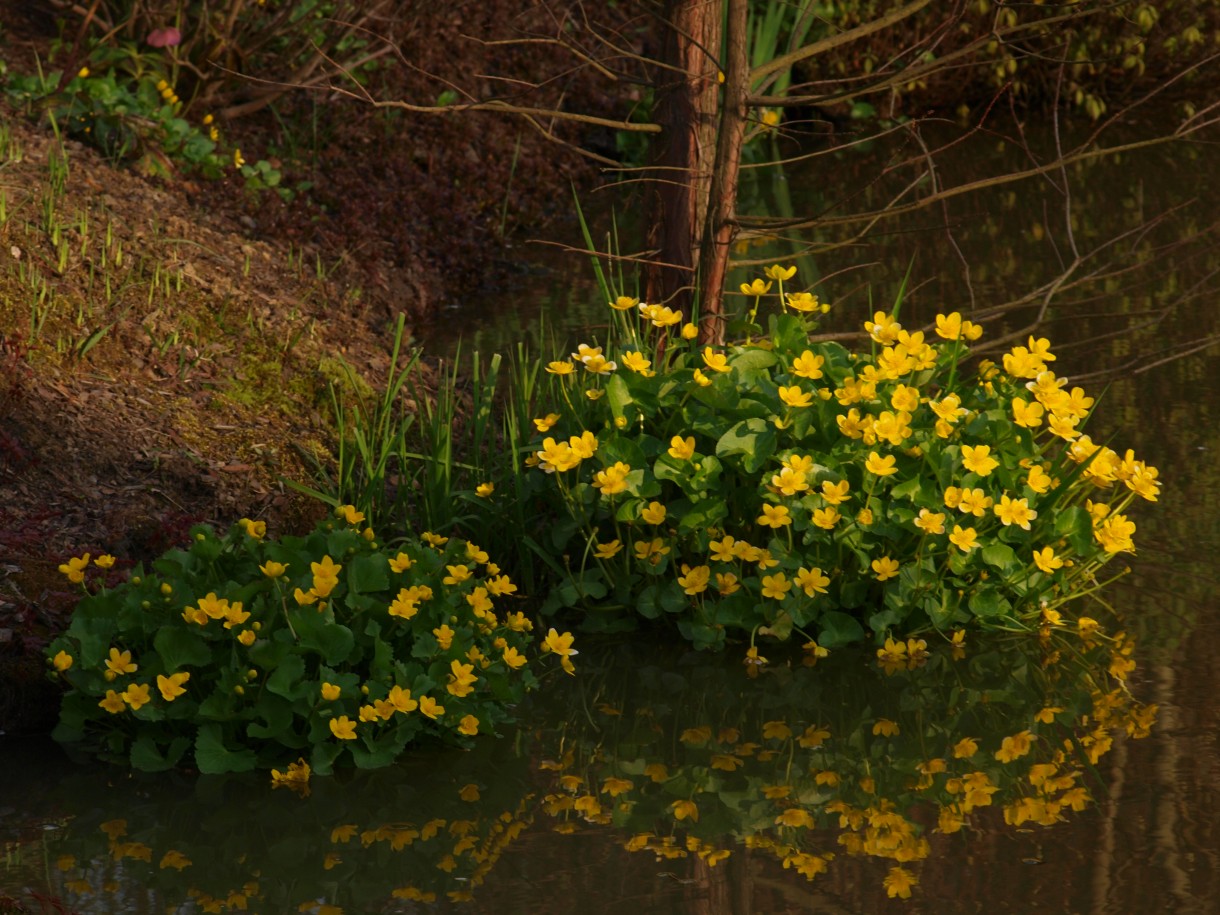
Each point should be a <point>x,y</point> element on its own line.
<point>778,485</point>
<point>245,652</point>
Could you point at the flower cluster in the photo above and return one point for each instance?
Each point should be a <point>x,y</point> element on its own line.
<point>243,651</point>
<point>779,484</point>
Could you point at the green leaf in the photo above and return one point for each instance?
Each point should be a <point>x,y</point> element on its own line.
<point>618,395</point>
<point>989,603</point>
<point>907,490</point>
<point>286,680</point>
<point>999,556</point>
<point>753,440</point>
<point>368,573</point>
<point>181,648</point>
<point>214,758</point>
<point>147,758</point>
<point>839,629</point>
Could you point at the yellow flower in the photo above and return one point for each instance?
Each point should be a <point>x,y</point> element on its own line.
<point>776,272</point>
<point>835,493</point>
<point>880,466</point>
<point>624,303</point>
<point>484,490</point>
<point>885,728</point>
<point>105,561</point>
<point>964,539</point>
<point>806,303</point>
<point>812,581</point>
<point>612,480</point>
<point>444,636</point>
<point>513,658</point>
<point>400,563</point>
<point>469,725</point>
<point>457,575</point>
<point>885,567</point>
<point>694,581</point>
<point>238,159</point>
<point>930,522</point>
<point>774,516</point>
<point>689,331</point>
<point>137,695</point>
<point>401,699</point>
<point>635,361</point>
<point>776,586</point>
<point>717,362</point>
<point>977,458</point>
<point>255,529</point>
<point>560,368</point>
<point>793,396</point>
<point>1015,511</point>
<point>1046,560</point>
<point>113,702</point>
<point>608,550</point>
<point>700,379</point>
<point>545,423</point>
<point>119,663</point>
<point>654,513</point>
<point>273,569</point>
<point>171,687</point>
<point>756,288</point>
<point>682,449</point>
<point>807,365</point>
<point>330,692</point>
<point>83,73</point>
<point>660,316</point>
<point>1014,747</point>
<point>826,518</point>
<point>430,707</point>
<point>62,661</point>
<point>343,728</point>
<point>75,568</point>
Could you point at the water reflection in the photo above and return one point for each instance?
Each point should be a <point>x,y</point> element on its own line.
<point>677,775</point>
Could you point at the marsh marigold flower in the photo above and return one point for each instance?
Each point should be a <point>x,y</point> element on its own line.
<point>880,466</point>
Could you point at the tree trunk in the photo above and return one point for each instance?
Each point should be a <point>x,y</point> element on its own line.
<point>686,107</point>
<point>722,205</point>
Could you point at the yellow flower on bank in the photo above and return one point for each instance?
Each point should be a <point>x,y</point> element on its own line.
<point>613,479</point>
<point>812,581</point>
<point>273,569</point>
<point>689,331</point>
<point>469,725</point>
<point>964,539</point>
<point>826,518</point>
<point>430,707</point>
<point>255,529</point>
<point>685,810</point>
<point>62,661</point>
<point>700,379</point>
<point>682,449</point>
<point>776,272</point>
<point>330,692</point>
<point>654,513</point>
<point>885,568</point>
<point>756,287</point>
<point>637,363</point>
<point>560,368</point>
<point>1015,511</point>
<point>807,365</point>
<point>776,586</point>
<point>113,702</point>
<point>137,695</point>
<point>717,362</point>
<point>484,490</point>
<point>660,316</point>
<point>105,561</point>
<point>978,459</point>
<point>608,550</point>
<point>343,728</point>
<point>930,522</point>
<point>75,567</point>
<point>1046,560</point>
<point>119,663</point>
<point>624,303</point>
<point>880,466</point>
<point>774,516</point>
<point>238,159</point>
<point>171,687</point>
<point>793,396</point>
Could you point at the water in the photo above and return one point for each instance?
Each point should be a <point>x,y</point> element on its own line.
<point>540,820</point>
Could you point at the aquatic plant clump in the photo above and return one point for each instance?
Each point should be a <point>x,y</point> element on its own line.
<point>777,485</point>
<point>244,652</point>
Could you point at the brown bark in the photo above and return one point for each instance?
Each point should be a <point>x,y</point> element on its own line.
<point>686,103</point>
<point>722,205</point>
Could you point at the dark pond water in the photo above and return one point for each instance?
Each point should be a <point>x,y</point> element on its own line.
<point>666,783</point>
